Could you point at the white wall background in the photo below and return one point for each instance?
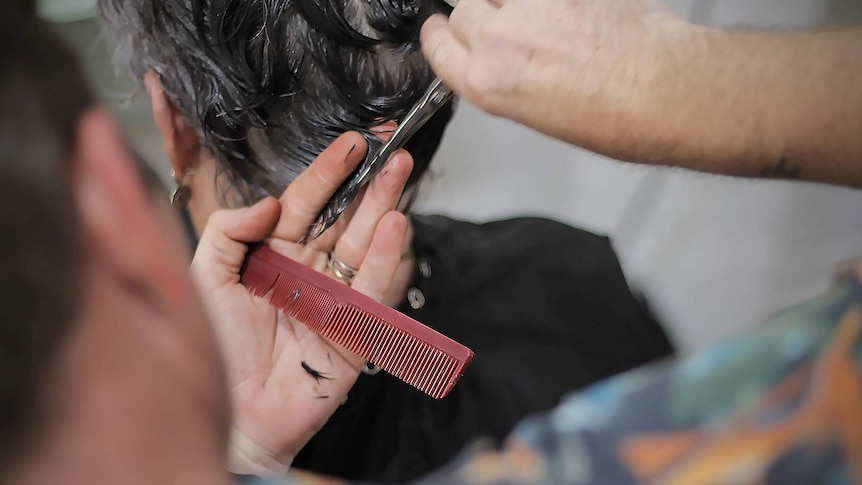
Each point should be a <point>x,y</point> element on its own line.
<point>713,254</point>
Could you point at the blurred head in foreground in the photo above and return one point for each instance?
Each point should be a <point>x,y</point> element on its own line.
<point>109,372</point>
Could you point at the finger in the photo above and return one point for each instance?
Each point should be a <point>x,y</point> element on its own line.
<point>305,196</point>
<point>326,241</point>
<point>447,56</point>
<point>222,246</point>
<point>315,253</point>
<point>384,255</point>
<point>382,197</point>
<point>465,21</point>
<point>247,224</point>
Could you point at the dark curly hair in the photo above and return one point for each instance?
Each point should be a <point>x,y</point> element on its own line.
<point>269,84</point>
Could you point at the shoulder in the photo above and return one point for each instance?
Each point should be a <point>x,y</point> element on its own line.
<point>519,240</point>
<point>520,232</point>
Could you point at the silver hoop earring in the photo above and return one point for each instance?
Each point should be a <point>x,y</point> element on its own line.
<point>182,194</point>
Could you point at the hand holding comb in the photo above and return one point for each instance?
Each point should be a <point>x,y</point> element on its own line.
<point>410,351</point>
<point>401,346</point>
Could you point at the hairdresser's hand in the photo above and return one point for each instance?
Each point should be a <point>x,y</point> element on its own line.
<point>278,403</point>
<point>579,70</point>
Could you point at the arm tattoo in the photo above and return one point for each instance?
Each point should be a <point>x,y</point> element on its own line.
<point>784,169</point>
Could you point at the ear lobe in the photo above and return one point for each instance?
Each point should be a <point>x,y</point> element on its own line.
<point>115,213</point>
<point>181,142</point>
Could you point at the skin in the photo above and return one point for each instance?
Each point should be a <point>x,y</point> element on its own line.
<point>276,401</point>
<point>141,361</point>
<point>351,236</point>
<point>630,80</point>
<point>141,393</point>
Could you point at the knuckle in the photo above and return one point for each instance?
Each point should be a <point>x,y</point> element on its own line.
<point>217,216</point>
<point>351,251</point>
<point>384,187</point>
<point>328,176</point>
<point>218,220</point>
<point>298,207</point>
<point>492,34</point>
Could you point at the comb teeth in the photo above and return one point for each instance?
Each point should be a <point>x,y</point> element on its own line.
<point>403,347</point>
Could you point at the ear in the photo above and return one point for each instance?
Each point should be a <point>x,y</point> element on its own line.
<point>182,144</point>
<point>119,225</point>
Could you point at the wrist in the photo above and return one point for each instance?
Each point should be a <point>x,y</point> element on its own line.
<point>699,110</point>
<point>245,457</point>
<point>647,108</point>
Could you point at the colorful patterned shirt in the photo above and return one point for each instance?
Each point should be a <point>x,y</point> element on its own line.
<point>781,404</point>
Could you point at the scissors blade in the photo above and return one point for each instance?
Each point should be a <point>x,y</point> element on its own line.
<point>437,95</point>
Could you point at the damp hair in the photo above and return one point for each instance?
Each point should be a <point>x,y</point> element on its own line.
<point>269,84</point>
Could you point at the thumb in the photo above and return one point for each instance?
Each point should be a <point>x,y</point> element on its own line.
<point>247,224</point>
<point>222,247</point>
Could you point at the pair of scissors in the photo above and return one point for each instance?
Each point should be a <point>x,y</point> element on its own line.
<point>437,95</point>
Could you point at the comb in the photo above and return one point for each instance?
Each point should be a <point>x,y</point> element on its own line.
<point>418,355</point>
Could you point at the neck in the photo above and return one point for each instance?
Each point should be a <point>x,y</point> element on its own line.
<point>115,419</point>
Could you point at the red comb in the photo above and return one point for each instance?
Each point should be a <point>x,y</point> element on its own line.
<point>403,347</point>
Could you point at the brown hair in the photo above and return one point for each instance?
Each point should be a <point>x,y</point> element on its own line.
<point>42,96</point>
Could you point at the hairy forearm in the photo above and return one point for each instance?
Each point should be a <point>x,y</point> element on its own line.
<point>631,80</point>
<point>785,105</point>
